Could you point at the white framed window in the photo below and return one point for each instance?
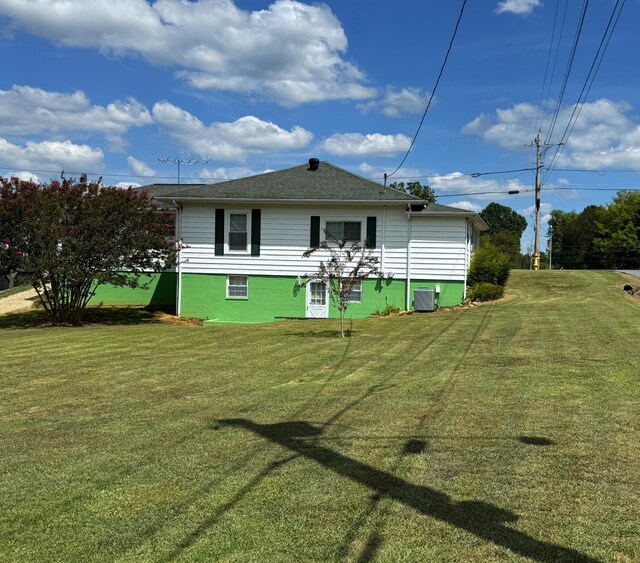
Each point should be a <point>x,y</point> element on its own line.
<point>237,287</point>
<point>355,296</point>
<point>350,231</point>
<point>317,293</point>
<point>238,225</point>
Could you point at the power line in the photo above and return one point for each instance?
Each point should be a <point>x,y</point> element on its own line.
<point>555,60</point>
<point>591,75</point>
<point>546,69</point>
<point>592,189</point>
<point>567,73</point>
<point>433,91</point>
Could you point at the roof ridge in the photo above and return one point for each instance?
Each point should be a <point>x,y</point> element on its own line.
<point>371,181</point>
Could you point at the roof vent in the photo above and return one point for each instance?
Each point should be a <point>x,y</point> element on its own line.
<point>313,163</point>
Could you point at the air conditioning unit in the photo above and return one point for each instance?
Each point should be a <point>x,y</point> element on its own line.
<point>424,300</point>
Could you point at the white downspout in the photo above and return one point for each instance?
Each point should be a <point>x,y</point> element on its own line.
<point>409,261</point>
<point>466,257</point>
<point>179,236</point>
<point>384,237</point>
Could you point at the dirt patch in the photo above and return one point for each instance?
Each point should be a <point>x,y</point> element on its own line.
<point>631,288</point>
<point>180,321</point>
<point>18,302</point>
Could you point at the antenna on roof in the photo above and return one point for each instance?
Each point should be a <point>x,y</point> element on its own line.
<point>178,161</point>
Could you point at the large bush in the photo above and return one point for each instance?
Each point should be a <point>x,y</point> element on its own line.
<point>489,265</point>
<point>66,238</point>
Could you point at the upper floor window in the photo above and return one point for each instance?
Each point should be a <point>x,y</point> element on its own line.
<point>238,232</point>
<point>344,230</point>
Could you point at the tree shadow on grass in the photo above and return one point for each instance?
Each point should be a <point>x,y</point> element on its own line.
<point>115,316</point>
<point>482,519</point>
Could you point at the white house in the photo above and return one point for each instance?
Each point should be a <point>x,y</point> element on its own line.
<point>243,240</point>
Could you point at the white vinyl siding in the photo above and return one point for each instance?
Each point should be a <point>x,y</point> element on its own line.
<point>437,245</point>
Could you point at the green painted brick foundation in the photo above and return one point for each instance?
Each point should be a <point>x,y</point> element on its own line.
<point>204,296</point>
<point>161,292</point>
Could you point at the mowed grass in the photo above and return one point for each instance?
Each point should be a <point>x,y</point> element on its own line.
<point>504,432</point>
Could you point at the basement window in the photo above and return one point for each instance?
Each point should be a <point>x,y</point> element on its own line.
<point>356,293</point>
<point>237,287</point>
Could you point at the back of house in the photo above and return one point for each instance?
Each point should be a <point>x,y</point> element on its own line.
<point>242,243</point>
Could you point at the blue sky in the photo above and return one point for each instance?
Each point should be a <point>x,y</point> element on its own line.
<point>248,86</point>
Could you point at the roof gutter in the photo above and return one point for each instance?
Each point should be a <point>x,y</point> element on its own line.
<point>291,201</point>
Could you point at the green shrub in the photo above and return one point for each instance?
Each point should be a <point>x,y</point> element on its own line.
<point>486,292</point>
<point>489,265</point>
<point>388,311</point>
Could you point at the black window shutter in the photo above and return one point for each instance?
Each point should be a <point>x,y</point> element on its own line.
<point>219,232</point>
<point>255,232</point>
<point>314,239</point>
<point>371,232</point>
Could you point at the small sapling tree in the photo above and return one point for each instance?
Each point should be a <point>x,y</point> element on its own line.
<point>67,238</point>
<point>347,265</point>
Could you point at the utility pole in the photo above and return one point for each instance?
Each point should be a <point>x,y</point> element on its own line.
<point>536,247</point>
<point>550,249</point>
<point>538,190</point>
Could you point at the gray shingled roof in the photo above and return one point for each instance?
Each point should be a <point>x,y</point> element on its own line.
<point>327,183</point>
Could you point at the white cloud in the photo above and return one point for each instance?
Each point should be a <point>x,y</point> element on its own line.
<point>26,111</point>
<point>466,205</point>
<point>24,175</point>
<point>347,144</point>
<point>395,103</point>
<point>56,154</point>
<point>227,140</point>
<point>291,52</point>
<point>139,168</point>
<point>458,182</point>
<point>404,174</point>
<point>606,134</point>
<point>529,213</point>
<point>125,185</point>
<point>221,173</point>
<point>520,7</point>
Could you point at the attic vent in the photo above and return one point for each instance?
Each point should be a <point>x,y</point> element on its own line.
<point>313,163</point>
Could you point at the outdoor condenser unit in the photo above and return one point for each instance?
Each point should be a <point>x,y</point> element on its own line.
<point>424,300</point>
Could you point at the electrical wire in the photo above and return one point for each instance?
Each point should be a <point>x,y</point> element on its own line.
<point>546,68</point>
<point>555,60</point>
<point>586,87</point>
<point>567,73</point>
<point>433,91</point>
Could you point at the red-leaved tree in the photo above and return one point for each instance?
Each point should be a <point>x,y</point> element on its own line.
<point>67,238</point>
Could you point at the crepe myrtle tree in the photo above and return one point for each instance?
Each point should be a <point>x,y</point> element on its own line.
<point>66,238</point>
<point>347,263</point>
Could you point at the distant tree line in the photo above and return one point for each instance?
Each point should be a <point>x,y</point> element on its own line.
<point>599,237</point>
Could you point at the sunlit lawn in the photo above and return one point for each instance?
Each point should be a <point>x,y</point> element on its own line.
<point>502,432</point>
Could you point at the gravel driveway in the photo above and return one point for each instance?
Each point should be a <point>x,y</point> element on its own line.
<point>19,302</point>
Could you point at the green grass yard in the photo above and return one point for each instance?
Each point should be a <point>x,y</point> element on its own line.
<point>504,432</point>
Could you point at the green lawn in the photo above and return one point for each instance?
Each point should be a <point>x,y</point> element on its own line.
<point>504,432</point>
